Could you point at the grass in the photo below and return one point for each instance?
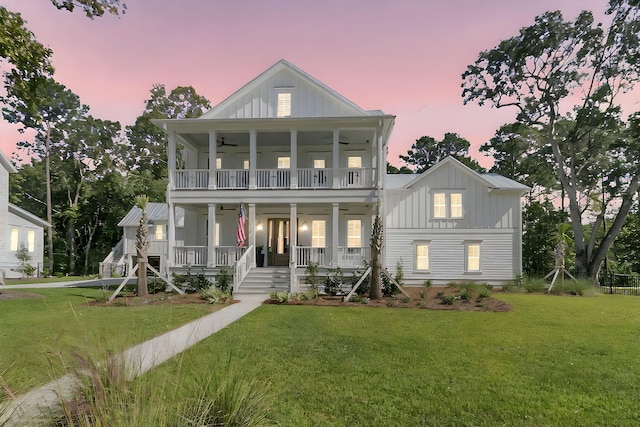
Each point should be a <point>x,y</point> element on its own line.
<point>31,280</point>
<point>566,361</point>
<point>38,335</point>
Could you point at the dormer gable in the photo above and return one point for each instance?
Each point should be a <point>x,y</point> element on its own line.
<point>283,91</point>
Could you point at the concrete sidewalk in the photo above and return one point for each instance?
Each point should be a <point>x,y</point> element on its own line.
<point>139,359</point>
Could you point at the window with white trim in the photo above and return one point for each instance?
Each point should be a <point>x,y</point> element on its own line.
<point>447,204</point>
<point>284,162</point>
<point>318,233</point>
<point>31,240</point>
<point>354,233</point>
<point>473,257</point>
<point>354,162</point>
<point>422,256</point>
<point>217,239</point>
<point>284,104</point>
<point>319,163</point>
<point>159,232</point>
<point>15,239</point>
<point>245,164</point>
<point>218,162</point>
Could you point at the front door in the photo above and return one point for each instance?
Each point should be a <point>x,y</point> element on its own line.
<point>278,241</point>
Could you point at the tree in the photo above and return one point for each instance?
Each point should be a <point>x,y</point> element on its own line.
<point>394,170</point>
<point>141,247</point>
<point>564,78</point>
<point>149,142</point>
<point>92,8</point>
<point>376,242</point>
<point>426,152</point>
<point>539,223</point>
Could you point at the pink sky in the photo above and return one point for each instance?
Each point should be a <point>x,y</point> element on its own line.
<point>403,57</point>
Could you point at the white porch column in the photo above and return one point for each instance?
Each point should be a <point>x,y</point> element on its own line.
<point>293,169</point>
<point>293,228</point>
<point>171,236</point>
<point>336,158</point>
<point>334,231</point>
<point>213,154</point>
<point>211,232</point>
<point>253,156</point>
<point>252,230</point>
<point>171,158</point>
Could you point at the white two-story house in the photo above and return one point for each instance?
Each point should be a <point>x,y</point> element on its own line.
<point>308,168</point>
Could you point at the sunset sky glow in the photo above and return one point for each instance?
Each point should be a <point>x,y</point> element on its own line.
<point>404,57</point>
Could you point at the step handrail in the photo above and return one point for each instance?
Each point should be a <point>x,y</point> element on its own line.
<point>242,267</point>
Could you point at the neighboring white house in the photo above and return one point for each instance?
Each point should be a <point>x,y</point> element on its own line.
<point>18,228</point>
<point>309,168</point>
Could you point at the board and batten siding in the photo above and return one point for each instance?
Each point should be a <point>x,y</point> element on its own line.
<point>447,255</point>
<point>306,100</point>
<point>482,208</point>
<point>4,211</point>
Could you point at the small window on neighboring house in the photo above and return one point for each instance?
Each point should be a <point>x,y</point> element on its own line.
<point>284,104</point>
<point>473,257</point>
<point>354,233</point>
<point>15,239</point>
<point>422,257</point>
<point>318,235</point>
<point>284,162</point>
<point>447,204</point>
<point>159,232</point>
<point>218,162</point>
<point>217,242</point>
<point>31,240</point>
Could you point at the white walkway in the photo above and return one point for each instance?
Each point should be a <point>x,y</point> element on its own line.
<point>139,359</point>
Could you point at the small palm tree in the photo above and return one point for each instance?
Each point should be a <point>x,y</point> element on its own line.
<point>375,290</point>
<point>142,247</point>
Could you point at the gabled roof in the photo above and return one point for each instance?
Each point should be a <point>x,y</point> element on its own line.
<point>4,161</point>
<point>155,212</point>
<point>492,180</point>
<point>28,216</point>
<point>286,66</point>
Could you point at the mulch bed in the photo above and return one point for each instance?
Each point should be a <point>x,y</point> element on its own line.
<point>431,302</point>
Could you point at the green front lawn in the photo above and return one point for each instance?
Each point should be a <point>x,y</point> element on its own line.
<point>37,336</point>
<point>553,361</point>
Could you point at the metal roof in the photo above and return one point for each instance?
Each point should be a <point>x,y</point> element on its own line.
<point>155,212</point>
<point>503,183</point>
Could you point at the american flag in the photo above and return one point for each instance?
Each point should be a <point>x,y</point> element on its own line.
<point>240,234</point>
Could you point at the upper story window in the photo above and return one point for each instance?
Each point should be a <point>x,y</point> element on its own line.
<point>245,164</point>
<point>159,232</point>
<point>319,164</point>
<point>447,204</point>
<point>15,239</point>
<point>284,104</point>
<point>354,162</point>
<point>284,162</point>
<point>218,162</point>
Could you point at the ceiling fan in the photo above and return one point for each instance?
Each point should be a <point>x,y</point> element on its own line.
<point>221,143</point>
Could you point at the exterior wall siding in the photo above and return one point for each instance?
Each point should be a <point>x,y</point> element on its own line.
<point>8,260</point>
<point>4,214</point>
<point>447,255</point>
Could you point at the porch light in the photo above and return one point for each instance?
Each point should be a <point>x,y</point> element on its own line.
<point>259,226</point>
<point>304,227</point>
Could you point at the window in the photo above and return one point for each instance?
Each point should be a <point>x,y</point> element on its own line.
<point>473,257</point>
<point>217,242</point>
<point>218,162</point>
<point>31,240</point>
<point>447,204</point>
<point>318,164</point>
<point>284,104</point>
<point>354,162</point>
<point>159,232</point>
<point>245,164</point>
<point>284,162</point>
<point>422,256</point>
<point>15,239</point>
<point>318,235</point>
<point>354,233</point>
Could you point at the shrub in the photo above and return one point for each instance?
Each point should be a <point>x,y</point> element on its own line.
<point>440,294</point>
<point>214,295</point>
<point>223,280</point>
<point>484,293</point>
<point>427,285</point>
<point>282,296</point>
<point>465,294</point>
<point>535,286</point>
<point>311,275</point>
<point>363,289</point>
<point>359,298</point>
<point>190,282</point>
<point>448,299</point>
<point>333,281</point>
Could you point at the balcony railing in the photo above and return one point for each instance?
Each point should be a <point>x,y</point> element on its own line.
<point>314,178</point>
<point>353,257</point>
<point>198,179</point>
<point>189,179</point>
<point>228,255</point>
<point>154,247</point>
<point>320,256</point>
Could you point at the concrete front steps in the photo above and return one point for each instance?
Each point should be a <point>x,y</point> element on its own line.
<point>264,280</point>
